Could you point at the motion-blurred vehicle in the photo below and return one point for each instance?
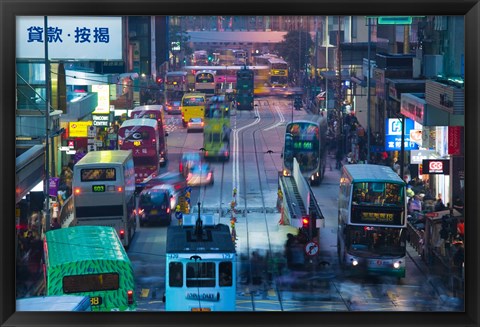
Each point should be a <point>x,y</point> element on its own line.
<point>154,205</point>
<point>174,195</point>
<point>195,124</point>
<point>189,160</point>
<point>200,175</point>
<point>177,180</point>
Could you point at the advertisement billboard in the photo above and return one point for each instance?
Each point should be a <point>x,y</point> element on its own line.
<point>393,134</point>
<point>69,37</point>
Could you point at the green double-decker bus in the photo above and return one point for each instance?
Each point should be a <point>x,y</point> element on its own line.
<point>90,261</point>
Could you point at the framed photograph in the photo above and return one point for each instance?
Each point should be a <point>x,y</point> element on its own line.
<point>273,213</point>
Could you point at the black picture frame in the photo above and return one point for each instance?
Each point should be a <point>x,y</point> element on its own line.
<point>11,8</point>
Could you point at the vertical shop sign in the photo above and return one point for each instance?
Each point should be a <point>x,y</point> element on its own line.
<point>455,140</point>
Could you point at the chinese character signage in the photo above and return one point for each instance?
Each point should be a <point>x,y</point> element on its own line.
<point>455,140</point>
<point>79,128</point>
<point>393,135</point>
<point>69,38</point>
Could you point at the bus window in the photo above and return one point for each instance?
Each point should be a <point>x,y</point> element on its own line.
<point>175,274</point>
<point>225,273</point>
<point>201,274</point>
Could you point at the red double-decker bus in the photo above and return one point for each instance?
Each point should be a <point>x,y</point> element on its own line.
<point>155,112</point>
<point>141,135</point>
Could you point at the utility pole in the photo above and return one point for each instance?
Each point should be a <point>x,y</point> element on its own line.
<point>327,43</point>
<point>368,87</point>
<point>338,91</point>
<point>47,123</point>
<point>314,92</point>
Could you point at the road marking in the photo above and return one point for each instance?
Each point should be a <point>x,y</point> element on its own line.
<point>236,165</point>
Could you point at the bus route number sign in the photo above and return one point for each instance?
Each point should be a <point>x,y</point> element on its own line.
<point>95,300</point>
<point>98,188</point>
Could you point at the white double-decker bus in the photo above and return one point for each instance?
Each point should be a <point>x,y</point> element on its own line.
<point>103,192</point>
<point>372,220</point>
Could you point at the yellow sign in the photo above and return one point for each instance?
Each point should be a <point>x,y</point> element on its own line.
<point>78,128</point>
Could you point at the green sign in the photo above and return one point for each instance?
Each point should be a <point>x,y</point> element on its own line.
<point>391,20</point>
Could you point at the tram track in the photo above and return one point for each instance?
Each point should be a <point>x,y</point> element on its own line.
<point>245,136</point>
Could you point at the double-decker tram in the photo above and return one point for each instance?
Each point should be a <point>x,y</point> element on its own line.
<point>205,82</point>
<point>245,89</point>
<point>372,222</point>
<point>200,266</point>
<point>306,141</point>
<point>103,187</point>
<point>216,132</point>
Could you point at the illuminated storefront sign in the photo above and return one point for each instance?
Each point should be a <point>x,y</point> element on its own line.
<point>393,135</point>
<point>103,95</point>
<point>438,166</point>
<point>78,128</point>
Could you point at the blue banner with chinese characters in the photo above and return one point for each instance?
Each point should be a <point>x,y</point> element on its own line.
<point>393,134</point>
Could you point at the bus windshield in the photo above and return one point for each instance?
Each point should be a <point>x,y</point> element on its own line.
<point>370,241</point>
<point>193,101</point>
<point>378,194</point>
<point>205,78</point>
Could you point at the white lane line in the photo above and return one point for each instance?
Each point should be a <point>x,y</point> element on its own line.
<point>236,166</point>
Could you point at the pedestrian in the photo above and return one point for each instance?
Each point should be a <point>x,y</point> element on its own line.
<point>458,204</point>
<point>459,256</point>
<point>55,224</point>
<point>339,158</point>
<point>439,206</point>
<point>410,192</point>
<point>416,204</point>
<point>289,244</point>
<point>256,264</point>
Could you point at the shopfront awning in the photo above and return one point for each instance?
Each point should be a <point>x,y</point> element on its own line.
<point>29,170</point>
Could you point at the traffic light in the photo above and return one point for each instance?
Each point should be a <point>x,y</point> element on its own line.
<point>306,222</point>
<point>159,80</point>
<point>309,226</point>
<point>210,58</point>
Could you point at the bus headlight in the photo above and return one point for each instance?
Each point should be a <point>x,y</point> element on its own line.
<point>396,264</point>
<point>354,262</point>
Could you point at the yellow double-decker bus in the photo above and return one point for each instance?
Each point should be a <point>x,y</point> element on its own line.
<point>192,106</point>
<point>277,69</point>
